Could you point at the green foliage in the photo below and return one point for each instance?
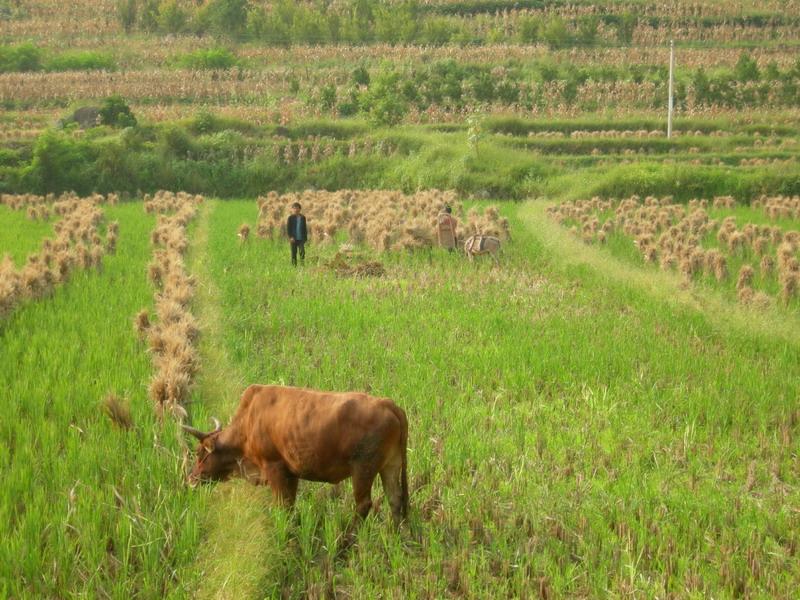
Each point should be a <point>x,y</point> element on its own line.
<point>116,112</point>
<point>626,27</point>
<point>588,26</point>
<point>212,58</point>
<point>205,122</point>
<point>174,141</point>
<point>383,102</point>
<point>528,30</point>
<point>27,57</point>
<point>148,15</point>
<point>59,163</point>
<point>555,32</point>
<point>328,96</point>
<point>81,60</point>
<point>126,13</point>
<point>360,75</point>
<point>172,17</point>
<point>223,17</point>
<point>397,22</point>
<point>20,58</point>
<point>437,31</point>
<point>746,68</point>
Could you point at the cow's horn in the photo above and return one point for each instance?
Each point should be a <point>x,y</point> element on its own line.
<point>217,424</point>
<point>195,432</point>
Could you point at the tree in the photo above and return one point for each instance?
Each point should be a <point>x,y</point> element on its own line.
<point>360,75</point>
<point>702,87</point>
<point>587,29</point>
<point>555,33</point>
<point>528,30</point>
<point>327,97</point>
<point>126,12</point>
<point>746,68</point>
<point>171,17</point>
<point>626,28</point>
<point>116,112</point>
<point>148,15</point>
<point>224,17</point>
<point>397,23</point>
<point>384,103</point>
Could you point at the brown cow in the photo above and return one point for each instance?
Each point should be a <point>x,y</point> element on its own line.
<point>287,434</point>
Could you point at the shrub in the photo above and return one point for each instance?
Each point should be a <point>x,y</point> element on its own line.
<point>126,13</point>
<point>59,163</point>
<point>360,75</point>
<point>327,97</point>
<point>81,60</point>
<point>116,113</point>
<point>175,141</point>
<point>213,58</point>
<point>171,17</point>
<point>24,57</point>
<point>555,33</point>
<point>397,22</point>
<point>587,29</point>
<point>746,69</point>
<point>528,31</point>
<point>437,32</point>
<point>383,102</point>
<point>626,27</point>
<point>224,17</point>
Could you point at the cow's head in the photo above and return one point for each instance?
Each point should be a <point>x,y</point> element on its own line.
<point>216,461</point>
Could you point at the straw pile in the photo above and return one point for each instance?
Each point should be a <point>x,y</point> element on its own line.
<point>77,245</point>
<point>172,338</point>
<point>385,220</point>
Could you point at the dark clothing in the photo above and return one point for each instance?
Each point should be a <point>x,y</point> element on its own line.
<point>295,247</point>
<point>296,228</point>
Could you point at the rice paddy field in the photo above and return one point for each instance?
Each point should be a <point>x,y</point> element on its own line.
<point>612,411</point>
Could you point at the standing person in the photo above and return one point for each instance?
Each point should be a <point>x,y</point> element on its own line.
<point>446,227</point>
<point>297,231</point>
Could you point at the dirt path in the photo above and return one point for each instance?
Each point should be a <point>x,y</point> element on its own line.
<point>668,286</point>
<point>232,560</point>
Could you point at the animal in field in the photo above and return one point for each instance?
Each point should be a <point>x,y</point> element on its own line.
<point>477,245</point>
<point>285,434</point>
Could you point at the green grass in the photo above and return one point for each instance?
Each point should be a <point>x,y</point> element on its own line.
<point>19,236</point>
<point>89,509</point>
<point>570,431</point>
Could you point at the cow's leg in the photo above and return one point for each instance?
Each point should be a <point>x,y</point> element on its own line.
<point>390,478</point>
<point>362,489</point>
<point>282,482</point>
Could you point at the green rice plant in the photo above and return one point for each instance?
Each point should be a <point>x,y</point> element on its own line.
<point>91,508</point>
<point>570,432</point>
<point>19,236</point>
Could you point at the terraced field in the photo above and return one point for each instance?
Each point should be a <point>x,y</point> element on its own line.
<point>611,411</point>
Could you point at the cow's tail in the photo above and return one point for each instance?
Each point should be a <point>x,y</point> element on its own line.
<point>401,416</point>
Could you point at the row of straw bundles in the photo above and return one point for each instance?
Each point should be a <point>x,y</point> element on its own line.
<point>172,338</point>
<point>77,244</point>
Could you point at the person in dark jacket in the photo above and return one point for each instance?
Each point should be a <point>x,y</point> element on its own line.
<point>297,231</point>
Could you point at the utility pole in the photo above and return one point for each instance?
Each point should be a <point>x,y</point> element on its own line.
<point>671,71</point>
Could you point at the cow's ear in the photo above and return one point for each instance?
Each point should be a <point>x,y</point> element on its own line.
<point>208,444</point>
